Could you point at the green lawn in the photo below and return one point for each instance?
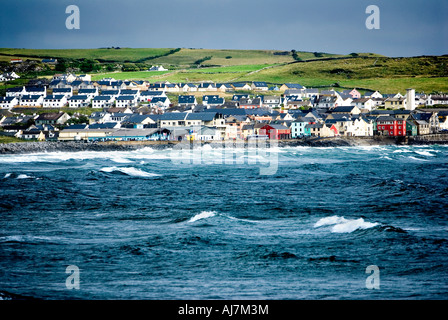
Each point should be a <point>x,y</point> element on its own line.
<point>389,75</point>
<point>131,75</point>
<point>6,139</point>
<point>117,55</point>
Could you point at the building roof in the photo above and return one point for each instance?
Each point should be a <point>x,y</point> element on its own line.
<point>186,99</point>
<point>79,97</point>
<point>294,85</point>
<point>385,118</point>
<point>203,116</point>
<point>54,97</point>
<point>50,116</point>
<point>97,98</point>
<point>106,125</point>
<point>58,90</point>
<point>173,116</point>
<point>125,98</point>
<point>110,92</point>
<point>260,84</point>
<point>87,91</point>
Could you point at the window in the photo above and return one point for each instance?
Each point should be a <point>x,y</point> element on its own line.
<point>391,133</point>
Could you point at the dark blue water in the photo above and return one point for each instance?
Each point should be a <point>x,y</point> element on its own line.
<point>140,225</point>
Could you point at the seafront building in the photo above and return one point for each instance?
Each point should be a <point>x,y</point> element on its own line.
<point>214,111</point>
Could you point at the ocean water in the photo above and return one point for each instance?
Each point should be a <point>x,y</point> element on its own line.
<point>144,225</point>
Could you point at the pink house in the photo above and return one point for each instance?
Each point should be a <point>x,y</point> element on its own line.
<point>355,94</point>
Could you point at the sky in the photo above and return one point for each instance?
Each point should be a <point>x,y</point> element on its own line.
<point>407,27</point>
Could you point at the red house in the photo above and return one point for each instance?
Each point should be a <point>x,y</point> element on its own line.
<point>276,131</point>
<point>390,126</point>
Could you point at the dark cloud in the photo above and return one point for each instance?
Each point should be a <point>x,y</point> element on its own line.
<point>408,27</point>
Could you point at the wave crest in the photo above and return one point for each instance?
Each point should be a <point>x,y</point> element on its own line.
<point>202,215</point>
<point>343,225</point>
<point>130,171</point>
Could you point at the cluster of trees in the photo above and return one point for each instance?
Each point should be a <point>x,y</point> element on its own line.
<point>83,65</point>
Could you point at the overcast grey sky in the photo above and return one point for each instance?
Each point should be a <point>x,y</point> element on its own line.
<point>407,27</point>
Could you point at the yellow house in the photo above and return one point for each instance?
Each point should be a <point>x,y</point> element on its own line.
<point>395,103</point>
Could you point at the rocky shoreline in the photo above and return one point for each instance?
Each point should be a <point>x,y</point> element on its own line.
<point>72,146</point>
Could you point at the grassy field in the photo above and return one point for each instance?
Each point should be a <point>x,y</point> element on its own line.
<point>132,75</point>
<point>116,55</point>
<point>187,57</point>
<point>384,74</point>
<point>32,110</point>
<point>6,139</point>
<point>362,70</point>
<point>217,74</point>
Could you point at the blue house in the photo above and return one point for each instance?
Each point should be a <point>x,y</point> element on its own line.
<point>299,128</point>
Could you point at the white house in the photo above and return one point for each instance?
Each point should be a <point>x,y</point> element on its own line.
<point>328,102</point>
<point>15,92</point>
<point>9,76</point>
<point>69,77</point>
<point>42,91</point>
<point>259,86</point>
<point>272,101</point>
<point>158,86</point>
<point>103,102</point>
<point>8,102</point>
<point>31,100</point>
<point>147,96</point>
<point>363,103</point>
<point>187,87</point>
<point>126,101</point>
<point>91,93</point>
<point>54,101</point>
<point>157,68</point>
<point>241,86</point>
<point>206,86</point>
<point>79,101</point>
<point>84,77</point>
<point>161,102</point>
<point>67,92</point>
<point>373,95</point>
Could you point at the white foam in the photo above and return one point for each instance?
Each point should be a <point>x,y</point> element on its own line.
<point>7,176</point>
<point>329,221</point>
<point>24,176</point>
<point>130,171</point>
<point>425,153</point>
<point>342,225</point>
<point>203,215</point>
<point>418,159</point>
<point>352,225</point>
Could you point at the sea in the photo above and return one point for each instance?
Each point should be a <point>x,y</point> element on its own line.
<point>330,223</point>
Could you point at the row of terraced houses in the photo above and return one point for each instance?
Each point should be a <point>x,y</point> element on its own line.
<point>136,110</point>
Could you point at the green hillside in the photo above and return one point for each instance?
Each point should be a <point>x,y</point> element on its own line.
<point>378,73</point>
<point>108,55</point>
<point>361,70</point>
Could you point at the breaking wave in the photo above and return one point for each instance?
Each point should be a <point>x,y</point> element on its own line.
<point>130,171</point>
<point>343,225</point>
<point>202,215</point>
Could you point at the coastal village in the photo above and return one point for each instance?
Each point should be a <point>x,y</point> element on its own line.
<point>133,110</point>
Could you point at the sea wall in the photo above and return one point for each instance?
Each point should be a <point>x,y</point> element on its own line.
<point>74,146</point>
